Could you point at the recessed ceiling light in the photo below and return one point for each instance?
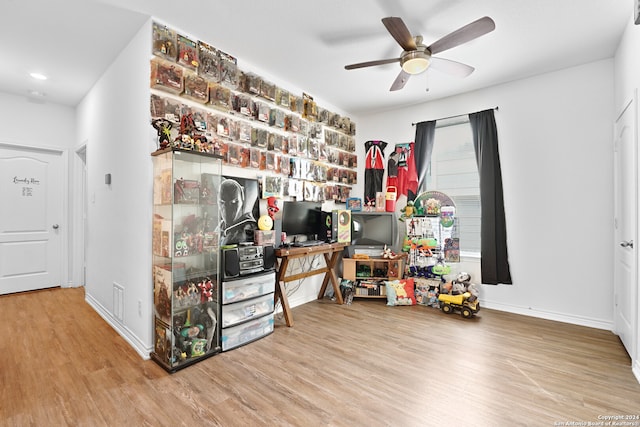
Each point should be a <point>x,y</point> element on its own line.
<point>38,76</point>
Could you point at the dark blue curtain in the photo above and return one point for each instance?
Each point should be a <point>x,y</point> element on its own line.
<point>493,230</point>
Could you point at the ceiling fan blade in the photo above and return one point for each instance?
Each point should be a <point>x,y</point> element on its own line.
<point>400,81</point>
<point>371,63</point>
<point>400,32</point>
<point>448,66</point>
<point>465,34</point>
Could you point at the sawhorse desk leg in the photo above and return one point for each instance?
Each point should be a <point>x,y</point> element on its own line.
<point>281,292</point>
<point>331,260</point>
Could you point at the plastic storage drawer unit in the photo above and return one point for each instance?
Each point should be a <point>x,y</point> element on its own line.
<point>246,332</point>
<point>248,287</point>
<point>245,310</point>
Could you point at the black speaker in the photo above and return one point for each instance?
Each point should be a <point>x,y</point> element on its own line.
<point>269,257</point>
<point>329,225</point>
<point>230,263</point>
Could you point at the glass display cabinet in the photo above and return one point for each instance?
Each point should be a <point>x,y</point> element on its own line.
<point>185,257</point>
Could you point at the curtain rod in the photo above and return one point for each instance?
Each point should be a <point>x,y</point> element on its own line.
<point>453,117</point>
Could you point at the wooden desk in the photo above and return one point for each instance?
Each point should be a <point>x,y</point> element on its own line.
<point>330,251</point>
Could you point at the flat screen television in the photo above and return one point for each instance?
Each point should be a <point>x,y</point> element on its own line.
<point>302,218</point>
<point>371,231</point>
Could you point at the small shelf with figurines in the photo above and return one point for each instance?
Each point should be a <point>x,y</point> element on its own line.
<point>369,275</point>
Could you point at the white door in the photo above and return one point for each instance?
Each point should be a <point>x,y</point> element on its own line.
<point>625,264</point>
<point>31,201</point>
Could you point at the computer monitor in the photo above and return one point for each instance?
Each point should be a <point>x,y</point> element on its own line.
<point>302,218</point>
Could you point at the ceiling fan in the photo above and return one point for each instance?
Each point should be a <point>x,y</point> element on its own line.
<point>416,57</point>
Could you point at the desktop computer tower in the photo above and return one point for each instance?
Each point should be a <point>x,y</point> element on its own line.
<point>328,233</point>
<point>336,226</point>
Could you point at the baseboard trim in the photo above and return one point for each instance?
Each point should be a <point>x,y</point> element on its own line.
<point>550,315</point>
<point>299,298</point>
<point>635,368</point>
<point>122,330</point>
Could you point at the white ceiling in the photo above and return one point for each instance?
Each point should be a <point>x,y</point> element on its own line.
<point>308,43</point>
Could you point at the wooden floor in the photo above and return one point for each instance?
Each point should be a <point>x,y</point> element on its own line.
<point>361,365</point>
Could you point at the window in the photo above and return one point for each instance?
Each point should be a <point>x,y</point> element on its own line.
<point>453,171</point>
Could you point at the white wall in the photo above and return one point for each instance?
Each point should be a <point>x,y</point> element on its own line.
<point>36,124</point>
<point>555,138</point>
<point>627,66</point>
<point>114,122</point>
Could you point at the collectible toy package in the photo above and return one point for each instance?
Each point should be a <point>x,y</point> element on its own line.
<point>196,88</point>
<point>166,76</point>
<point>220,96</point>
<point>209,61</point>
<point>165,42</point>
<point>187,52</point>
<point>228,70</point>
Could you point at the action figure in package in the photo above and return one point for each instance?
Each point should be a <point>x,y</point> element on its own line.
<point>279,118</point>
<point>268,90</point>
<point>228,70</point>
<point>254,160</point>
<point>157,106</point>
<point>196,88</point>
<point>220,96</point>
<point>209,60</point>
<point>277,143</point>
<point>223,127</point>
<point>166,76</point>
<point>254,83</point>
<point>234,129</point>
<point>301,149</point>
<point>285,165</point>
<point>271,141</point>
<point>263,112</point>
<point>282,97</point>
<point>245,132</point>
<point>263,138</point>
<point>270,161</point>
<point>187,52</point>
<point>233,156</point>
<point>165,42</point>
<point>245,157</point>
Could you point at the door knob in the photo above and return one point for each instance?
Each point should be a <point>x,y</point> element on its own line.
<point>627,244</point>
<point>55,226</point>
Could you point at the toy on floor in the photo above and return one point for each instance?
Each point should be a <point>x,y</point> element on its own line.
<point>464,279</point>
<point>427,292</point>
<point>460,294</point>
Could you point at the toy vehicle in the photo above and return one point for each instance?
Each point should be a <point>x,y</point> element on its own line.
<point>459,302</point>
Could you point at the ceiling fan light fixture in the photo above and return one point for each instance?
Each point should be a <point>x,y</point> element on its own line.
<point>415,62</point>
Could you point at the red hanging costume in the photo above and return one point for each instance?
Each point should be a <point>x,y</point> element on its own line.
<point>401,170</point>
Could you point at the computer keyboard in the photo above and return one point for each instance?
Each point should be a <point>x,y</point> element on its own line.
<point>308,243</point>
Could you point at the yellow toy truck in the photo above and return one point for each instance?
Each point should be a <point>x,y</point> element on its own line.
<point>449,303</point>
